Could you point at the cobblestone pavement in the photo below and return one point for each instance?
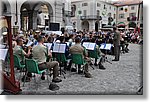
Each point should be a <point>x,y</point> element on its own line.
<point>123,77</point>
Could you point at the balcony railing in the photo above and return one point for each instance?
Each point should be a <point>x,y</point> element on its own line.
<point>91,17</point>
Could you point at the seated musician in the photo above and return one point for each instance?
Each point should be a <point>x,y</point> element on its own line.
<point>93,40</point>
<point>18,50</point>
<point>62,41</point>
<point>40,54</point>
<point>78,49</point>
<point>21,53</point>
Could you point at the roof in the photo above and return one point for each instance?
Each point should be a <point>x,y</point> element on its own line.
<point>127,2</point>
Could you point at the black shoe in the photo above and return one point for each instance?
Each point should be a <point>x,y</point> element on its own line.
<point>95,64</point>
<point>25,80</point>
<point>80,71</point>
<point>56,80</point>
<point>115,60</point>
<point>29,75</point>
<point>53,87</point>
<point>73,70</point>
<point>101,67</point>
<point>42,77</point>
<point>91,64</point>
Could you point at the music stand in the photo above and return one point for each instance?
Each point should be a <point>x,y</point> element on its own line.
<point>89,46</point>
<point>105,47</point>
<point>60,49</point>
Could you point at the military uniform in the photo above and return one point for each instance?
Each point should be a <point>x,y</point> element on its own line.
<point>116,42</point>
<point>17,50</point>
<point>40,55</point>
<point>78,49</point>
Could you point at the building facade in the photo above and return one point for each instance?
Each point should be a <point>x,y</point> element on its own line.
<point>130,14</point>
<point>92,14</point>
<point>32,14</point>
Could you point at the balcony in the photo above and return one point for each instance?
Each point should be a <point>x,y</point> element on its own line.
<point>91,17</point>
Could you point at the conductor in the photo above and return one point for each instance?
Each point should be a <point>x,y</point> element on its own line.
<point>116,43</point>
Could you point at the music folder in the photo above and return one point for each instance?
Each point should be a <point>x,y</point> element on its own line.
<point>106,46</point>
<point>59,48</point>
<point>89,45</point>
<point>48,45</point>
<point>3,54</point>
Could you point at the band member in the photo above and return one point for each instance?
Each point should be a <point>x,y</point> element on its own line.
<point>116,42</point>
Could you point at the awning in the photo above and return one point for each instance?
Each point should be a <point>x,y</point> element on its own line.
<point>121,24</point>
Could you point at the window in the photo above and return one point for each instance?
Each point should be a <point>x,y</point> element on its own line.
<point>98,4</point>
<point>109,14</point>
<point>121,9</point>
<point>110,7</point>
<point>104,6</point>
<point>84,12</point>
<point>114,16</point>
<point>73,9</point>
<point>132,14</point>
<point>79,12</point>
<point>121,16</point>
<point>98,12</point>
<point>132,7</point>
<point>114,8</point>
<point>84,4</point>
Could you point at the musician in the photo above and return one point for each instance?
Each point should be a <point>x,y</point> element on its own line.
<point>18,50</point>
<point>78,49</point>
<point>40,54</point>
<point>116,42</point>
<point>99,54</point>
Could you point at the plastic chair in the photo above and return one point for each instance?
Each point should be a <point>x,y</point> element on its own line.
<point>17,64</point>
<point>32,67</point>
<point>78,59</point>
<point>93,54</point>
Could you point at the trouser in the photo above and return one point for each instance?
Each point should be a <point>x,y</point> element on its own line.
<point>117,52</point>
<point>50,65</point>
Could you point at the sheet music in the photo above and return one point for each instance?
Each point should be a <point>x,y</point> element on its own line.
<point>102,46</point>
<point>62,48</point>
<point>56,47</point>
<point>91,46</point>
<point>59,48</point>
<point>86,44</point>
<point>108,46</point>
<point>49,45</point>
<point>3,54</point>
